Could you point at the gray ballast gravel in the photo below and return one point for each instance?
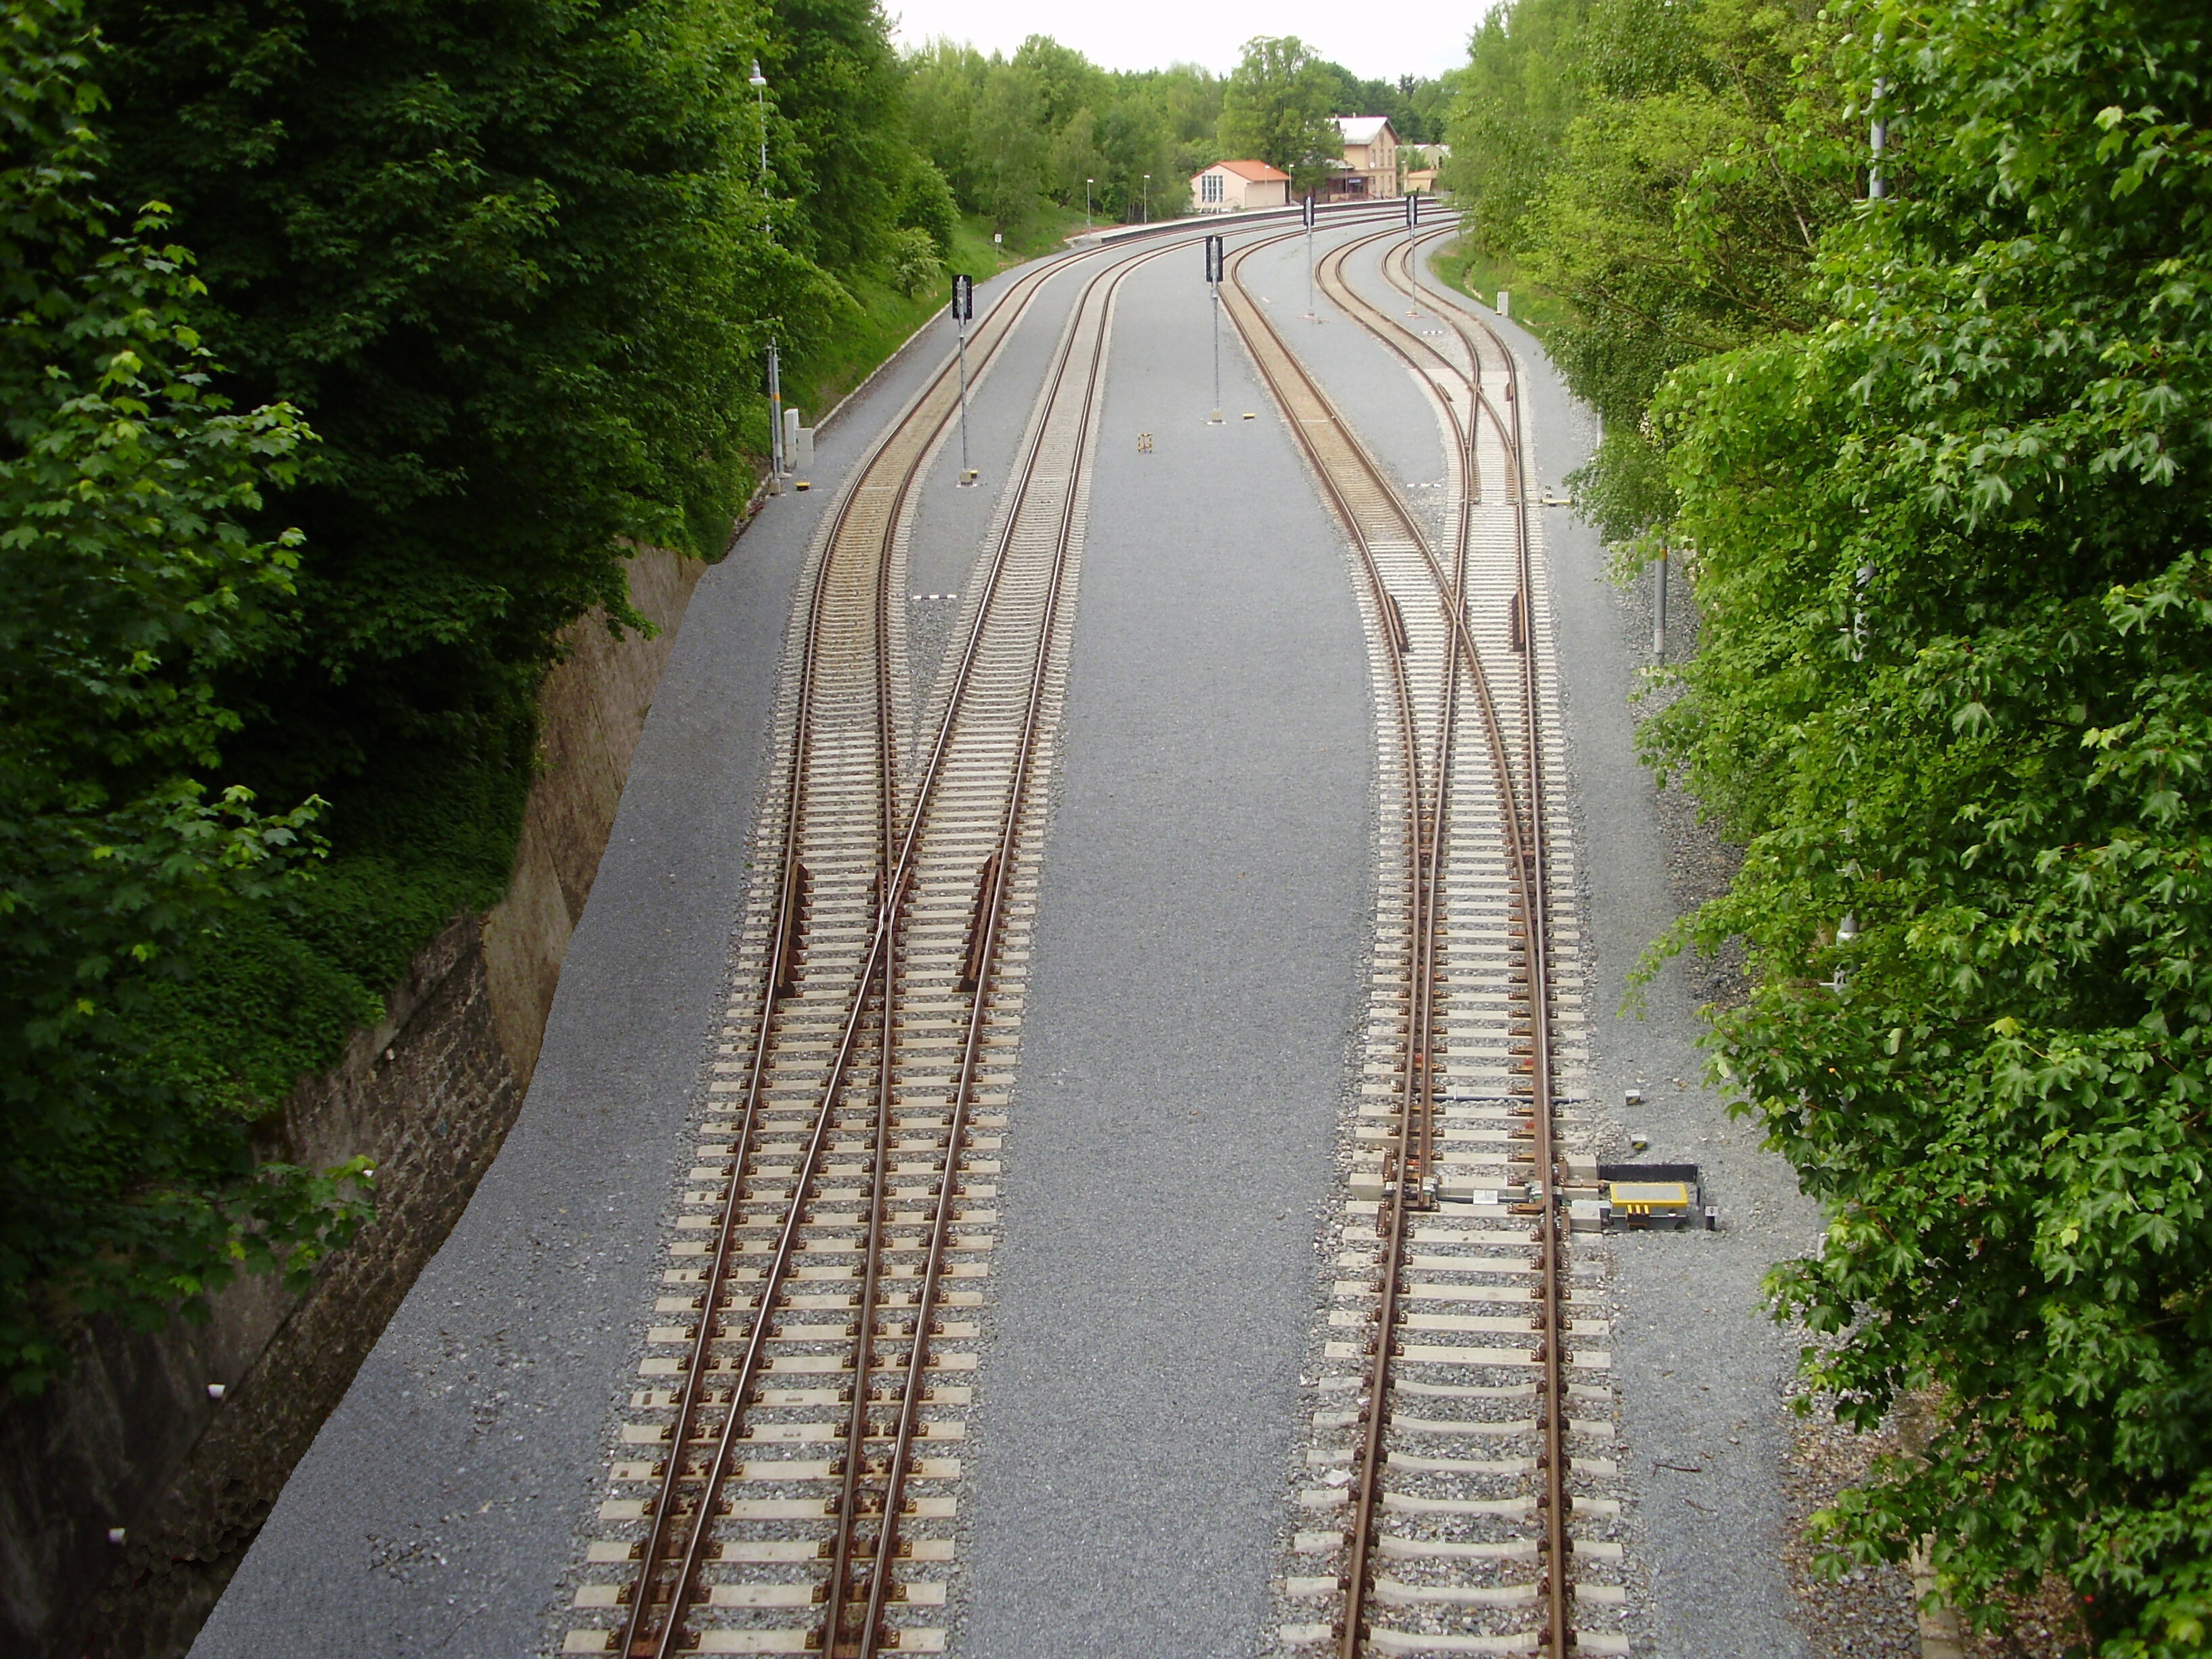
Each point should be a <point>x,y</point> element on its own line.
<point>1199,945</point>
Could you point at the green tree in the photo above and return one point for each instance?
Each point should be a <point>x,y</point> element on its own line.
<point>1012,148</point>
<point>1955,696</point>
<point>1276,109</point>
<point>1076,157</point>
<point>130,585</point>
<point>943,82</point>
<point>915,264</point>
<point>1518,91</point>
<point>1414,104</point>
<point>1681,213</point>
<point>927,204</point>
<point>838,146</point>
<point>1011,134</point>
<point>515,265</point>
<point>1064,83</point>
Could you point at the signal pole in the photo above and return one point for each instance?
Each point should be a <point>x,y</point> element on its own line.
<point>963,311</point>
<point>1213,265</point>
<point>1310,213</point>
<point>1413,253</point>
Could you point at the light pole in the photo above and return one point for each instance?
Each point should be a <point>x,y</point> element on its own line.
<point>759,84</point>
<point>1148,198</point>
<point>1087,182</point>
<point>1877,141</point>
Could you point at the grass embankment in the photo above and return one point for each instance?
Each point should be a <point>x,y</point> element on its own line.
<point>419,840</point>
<point>1479,276</point>
<point>887,317</point>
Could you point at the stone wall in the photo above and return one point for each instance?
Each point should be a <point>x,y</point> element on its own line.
<point>131,1438</point>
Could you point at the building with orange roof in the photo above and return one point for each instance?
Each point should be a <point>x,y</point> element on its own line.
<point>1234,186</point>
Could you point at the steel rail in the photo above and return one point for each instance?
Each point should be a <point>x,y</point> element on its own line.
<point>639,1637</point>
<point>1366,1477</point>
<point>1475,333</point>
<point>996,879</point>
<point>1555,1582</point>
<point>636,1640</point>
<point>1523,839</point>
<point>902,869</point>
<point>989,910</point>
<point>1531,863</point>
<point>644,1636</point>
<point>1417,1161</point>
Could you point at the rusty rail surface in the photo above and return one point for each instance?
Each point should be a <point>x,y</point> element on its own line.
<point>839,970</point>
<point>1372,511</point>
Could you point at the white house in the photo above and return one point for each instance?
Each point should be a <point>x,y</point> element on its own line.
<point>1233,187</point>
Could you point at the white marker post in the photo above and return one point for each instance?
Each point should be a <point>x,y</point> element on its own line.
<point>1213,264</point>
<point>964,309</point>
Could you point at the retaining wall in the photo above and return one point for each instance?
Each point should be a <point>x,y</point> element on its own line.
<point>130,1437</point>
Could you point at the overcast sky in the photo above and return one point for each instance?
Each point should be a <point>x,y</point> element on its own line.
<point>1380,42</point>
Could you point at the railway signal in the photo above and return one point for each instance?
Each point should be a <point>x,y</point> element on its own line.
<point>1214,261</point>
<point>1310,211</point>
<point>1412,249</point>
<point>964,313</point>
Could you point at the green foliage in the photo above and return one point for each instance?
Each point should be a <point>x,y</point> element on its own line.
<point>1277,109</point>
<point>1416,104</point>
<point>513,265</point>
<point>915,262</point>
<point>927,206</point>
<point>838,152</point>
<point>1516,95</point>
<point>1657,168</point>
<point>128,586</point>
<point>517,262</point>
<point>1956,685</point>
<point>1017,137</point>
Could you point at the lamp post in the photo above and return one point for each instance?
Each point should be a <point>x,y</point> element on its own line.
<point>759,84</point>
<point>1877,141</point>
<point>1087,182</point>
<point>1148,198</point>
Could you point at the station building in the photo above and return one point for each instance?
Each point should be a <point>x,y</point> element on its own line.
<point>1369,168</point>
<point>1235,186</point>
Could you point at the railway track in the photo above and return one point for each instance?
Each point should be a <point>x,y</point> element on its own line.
<point>784,1478</point>
<point>1462,1415</point>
